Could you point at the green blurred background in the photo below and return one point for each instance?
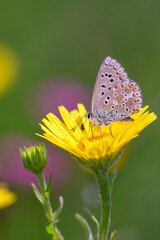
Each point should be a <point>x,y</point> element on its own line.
<point>69,40</point>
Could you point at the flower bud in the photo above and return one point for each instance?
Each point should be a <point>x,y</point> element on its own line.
<point>34,158</point>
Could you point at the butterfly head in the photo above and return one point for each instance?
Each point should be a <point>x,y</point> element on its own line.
<point>89,116</point>
<point>98,118</point>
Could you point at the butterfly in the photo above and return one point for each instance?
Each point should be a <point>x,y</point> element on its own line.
<point>115,96</point>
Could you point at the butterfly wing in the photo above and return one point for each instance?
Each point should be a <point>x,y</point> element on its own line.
<point>110,73</point>
<point>114,92</point>
<point>123,100</point>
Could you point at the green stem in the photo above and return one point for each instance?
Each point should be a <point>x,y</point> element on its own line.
<point>47,204</point>
<point>105,198</point>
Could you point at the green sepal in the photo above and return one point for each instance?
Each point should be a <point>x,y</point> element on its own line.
<point>38,194</point>
<point>49,187</point>
<point>111,179</point>
<point>113,234</point>
<point>53,231</point>
<point>34,158</point>
<point>59,209</point>
<point>86,227</point>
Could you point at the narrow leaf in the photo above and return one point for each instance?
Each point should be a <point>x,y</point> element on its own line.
<point>94,219</point>
<point>86,227</point>
<point>49,187</point>
<point>60,237</point>
<point>59,209</point>
<point>113,234</point>
<point>38,194</point>
<point>111,179</point>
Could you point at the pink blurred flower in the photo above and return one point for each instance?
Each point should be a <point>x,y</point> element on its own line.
<point>57,92</point>
<point>11,168</point>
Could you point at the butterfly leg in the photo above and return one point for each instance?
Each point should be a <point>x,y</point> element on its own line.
<point>92,129</point>
<point>100,131</point>
<point>110,129</point>
<point>127,119</point>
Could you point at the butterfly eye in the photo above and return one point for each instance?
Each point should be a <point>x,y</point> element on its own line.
<point>89,115</point>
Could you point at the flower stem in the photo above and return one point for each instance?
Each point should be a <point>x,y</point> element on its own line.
<point>105,198</point>
<point>46,203</point>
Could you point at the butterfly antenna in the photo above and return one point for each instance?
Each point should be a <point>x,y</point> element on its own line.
<point>74,128</point>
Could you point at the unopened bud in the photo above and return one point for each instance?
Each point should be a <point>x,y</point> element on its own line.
<point>34,158</point>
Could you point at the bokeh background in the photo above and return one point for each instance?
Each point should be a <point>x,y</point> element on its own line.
<point>50,53</point>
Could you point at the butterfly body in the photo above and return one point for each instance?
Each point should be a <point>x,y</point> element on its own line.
<point>115,96</point>
<point>101,117</point>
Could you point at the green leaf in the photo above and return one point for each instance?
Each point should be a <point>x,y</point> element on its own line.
<point>111,179</point>
<point>59,209</point>
<point>54,232</point>
<point>113,234</point>
<point>94,219</point>
<point>59,235</point>
<point>50,230</point>
<point>38,194</point>
<point>49,187</point>
<point>86,227</point>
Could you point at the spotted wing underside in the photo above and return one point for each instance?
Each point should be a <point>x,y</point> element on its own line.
<point>115,92</point>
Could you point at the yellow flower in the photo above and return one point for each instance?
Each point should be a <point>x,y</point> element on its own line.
<point>6,197</point>
<point>9,65</point>
<point>94,149</point>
